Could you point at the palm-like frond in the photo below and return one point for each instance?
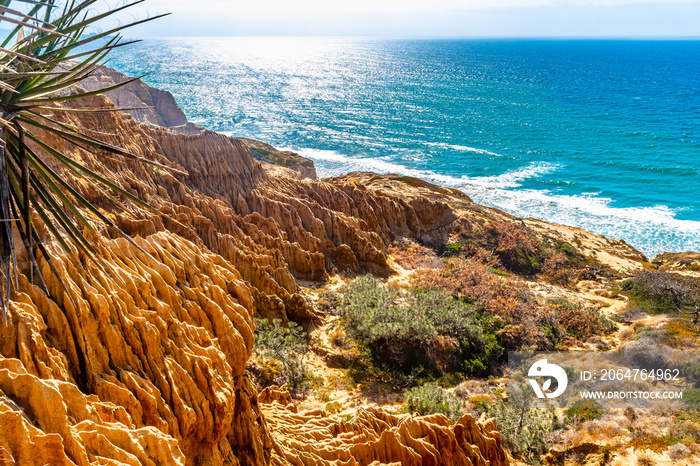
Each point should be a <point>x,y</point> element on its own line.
<point>42,59</point>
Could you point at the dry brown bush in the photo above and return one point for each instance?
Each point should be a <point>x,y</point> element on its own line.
<point>557,270</point>
<point>678,452</point>
<point>645,459</point>
<point>506,298</point>
<point>582,323</point>
<point>515,246</point>
<point>525,321</point>
<point>411,255</point>
<point>512,246</point>
<point>500,244</point>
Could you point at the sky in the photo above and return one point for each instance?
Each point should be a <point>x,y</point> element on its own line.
<point>421,18</point>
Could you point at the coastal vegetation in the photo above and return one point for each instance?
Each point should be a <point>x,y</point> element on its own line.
<point>430,398</point>
<point>525,322</point>
<point>280,351</point>
<point>435,343</point>
<point>511,246</point>
<point>420,333</point>
<point>524,429</point>
<point>583,410</point>
<point>663,292</point>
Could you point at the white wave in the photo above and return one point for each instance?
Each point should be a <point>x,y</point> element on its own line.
<point>331,163</point>
<point>652,230</point>
<point>460,148</point>
<point>510,179</point>
<point>341,164</point>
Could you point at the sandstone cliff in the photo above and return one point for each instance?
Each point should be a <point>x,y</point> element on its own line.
<point>164,112</point>
<point>158,108</point>
<point>141,359</point>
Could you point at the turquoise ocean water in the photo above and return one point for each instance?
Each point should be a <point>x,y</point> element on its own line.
<point>604,135</point>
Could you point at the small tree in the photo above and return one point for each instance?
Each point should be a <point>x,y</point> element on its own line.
<point>666,292</point>
<point>522,426</point>
<point>431,399</point>
<point>286,345</point>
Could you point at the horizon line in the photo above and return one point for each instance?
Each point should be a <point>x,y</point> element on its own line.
<point>401,37</point>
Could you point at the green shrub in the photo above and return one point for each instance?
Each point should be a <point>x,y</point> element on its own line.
<point>323,394</point>
<point>691,371</point>
<point>374,377</point>
<point>452,248</point>
<point>431,399</point>
<point>645,331</point>
<point>692,415</point>
<point>374,311</point>
<point>429,331</point>
<point>552,331</point>
<point>583,410</point>
<point>451,380</point>
<point>662,292</point>
<point>691,397</point>
<point>522,427</point>
<point>280,351</point>
<point>499,272</point>
<point>269,373</point>
<point>566,248</point>
<point>561,303</point>
<point>479,359</point>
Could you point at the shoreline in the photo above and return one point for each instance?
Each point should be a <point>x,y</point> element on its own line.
<point>168,114</point>
<point>440,180</point>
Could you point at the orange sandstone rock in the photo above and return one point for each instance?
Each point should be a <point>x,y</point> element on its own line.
<point>376,437</point>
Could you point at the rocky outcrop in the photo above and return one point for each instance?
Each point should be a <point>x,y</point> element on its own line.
<point>609,252</point>
<point>275,231</point>
<point>164,110</point>
<point>614,253</point>
<point>687,262</point>
<point>281,163</point>
<point>158,108</point>
<point>372,436</point>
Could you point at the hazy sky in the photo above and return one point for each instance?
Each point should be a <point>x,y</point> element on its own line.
<point>423,18</point>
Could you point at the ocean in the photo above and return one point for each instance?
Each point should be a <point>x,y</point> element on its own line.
<point>599,134</point>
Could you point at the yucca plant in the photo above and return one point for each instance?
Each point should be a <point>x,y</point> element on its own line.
<point>43,58</point>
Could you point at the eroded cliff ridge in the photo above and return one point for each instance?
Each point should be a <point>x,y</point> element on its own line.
<point>141,358</point>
